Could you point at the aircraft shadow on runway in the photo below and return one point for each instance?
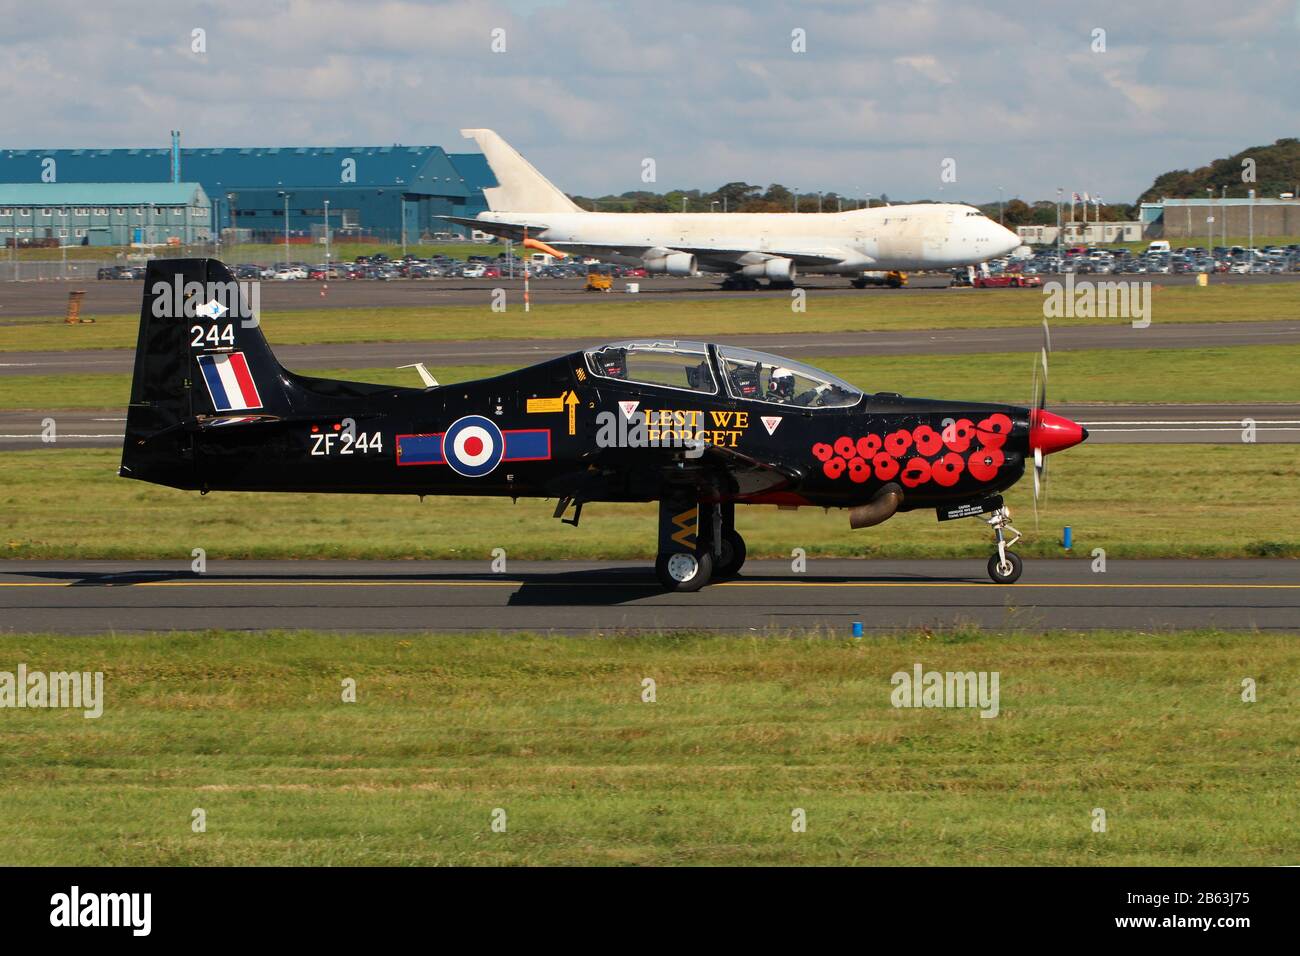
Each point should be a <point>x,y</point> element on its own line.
<point>592,587</point>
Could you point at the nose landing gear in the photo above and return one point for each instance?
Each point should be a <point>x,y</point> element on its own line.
<point>1004,566</point>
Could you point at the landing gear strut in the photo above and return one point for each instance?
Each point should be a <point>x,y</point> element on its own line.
<point>697,542</point>
<point>688,529</point>
<point>1004,566</point>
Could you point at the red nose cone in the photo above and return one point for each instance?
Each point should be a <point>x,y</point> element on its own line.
<point>1049,433</point>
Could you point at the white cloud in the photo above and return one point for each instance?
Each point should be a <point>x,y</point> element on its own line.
<point>713,91</point>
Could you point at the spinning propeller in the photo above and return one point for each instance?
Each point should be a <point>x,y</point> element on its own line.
<point>1047,432</point>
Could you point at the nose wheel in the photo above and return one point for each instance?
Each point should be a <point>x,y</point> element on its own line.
<point>1004,566</point>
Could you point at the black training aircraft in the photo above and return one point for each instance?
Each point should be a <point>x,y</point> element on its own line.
<point>698,428</point>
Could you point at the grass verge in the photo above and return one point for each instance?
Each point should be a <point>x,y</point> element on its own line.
<point>627,316</point>
<point>554,732</point>
<point>1246,373</point>
<point>1132,500</point>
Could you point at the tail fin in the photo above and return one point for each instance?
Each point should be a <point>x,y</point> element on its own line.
<point>522,188</point>
<point>200,357</point>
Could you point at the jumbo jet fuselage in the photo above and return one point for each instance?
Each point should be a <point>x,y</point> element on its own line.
<point>913,236</point>
<point>746,246</point>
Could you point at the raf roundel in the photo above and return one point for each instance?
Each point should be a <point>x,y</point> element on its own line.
<point>473,446</point>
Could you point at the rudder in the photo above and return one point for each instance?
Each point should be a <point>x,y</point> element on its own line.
<point>200,355</point>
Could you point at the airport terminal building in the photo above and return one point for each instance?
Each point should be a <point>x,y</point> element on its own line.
<point>1196,218</point>
<point>104,214</point>
<point>388,193</point>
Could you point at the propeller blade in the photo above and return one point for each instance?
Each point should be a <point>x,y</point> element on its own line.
<point>1040,464</point>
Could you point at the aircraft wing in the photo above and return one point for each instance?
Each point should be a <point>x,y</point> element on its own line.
<point>711,257</point>
<point>506,230</point>
<point>719,258</point>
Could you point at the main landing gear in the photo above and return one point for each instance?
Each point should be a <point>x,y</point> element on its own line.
<point>1004,566</point>
<point>698,542</point>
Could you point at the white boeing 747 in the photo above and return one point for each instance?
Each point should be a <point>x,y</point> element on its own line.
<point>746,246</point>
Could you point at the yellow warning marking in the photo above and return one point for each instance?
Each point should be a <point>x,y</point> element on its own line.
<point>686,523</point>
<point>572,401</point>
<point>538,406</point>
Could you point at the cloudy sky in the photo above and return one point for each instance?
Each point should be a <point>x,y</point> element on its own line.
<point>882,93</point>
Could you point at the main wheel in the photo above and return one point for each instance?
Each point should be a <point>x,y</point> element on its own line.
<point>683,571</point>
<point>1007,572</point>
<point>732,557</point>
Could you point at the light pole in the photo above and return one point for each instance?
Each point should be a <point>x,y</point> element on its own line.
<point>1250,240</point>
<point>819,200</point>
<point>1059,194</point>
<point>286,227</point>
<point>868,200</point>
<point>327,239</point>
<point>1001,196</point>
<point>1223,206</point>
<point>796,198</point>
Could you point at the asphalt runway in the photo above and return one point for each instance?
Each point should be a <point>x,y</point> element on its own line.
<point>606,597</point>
<point>1107,424</point>
<point>521,352</point>
<point>114,297</point>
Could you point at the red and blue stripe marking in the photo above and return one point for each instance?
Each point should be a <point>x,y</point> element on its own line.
<point>229,381</point>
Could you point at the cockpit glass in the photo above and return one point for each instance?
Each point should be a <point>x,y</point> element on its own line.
<point>769,378</point>
<point>682,365</point>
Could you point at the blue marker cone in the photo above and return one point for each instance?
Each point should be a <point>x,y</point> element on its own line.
<point>857,628</point>
<point>1067,538</point>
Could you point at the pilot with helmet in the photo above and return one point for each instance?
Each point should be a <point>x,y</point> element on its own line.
<point>780,385</point>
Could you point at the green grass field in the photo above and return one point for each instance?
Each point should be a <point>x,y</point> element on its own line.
<point>553,731</point>
<point>626,316</point>
<point>1132,500</point>
<point>1235,374</point>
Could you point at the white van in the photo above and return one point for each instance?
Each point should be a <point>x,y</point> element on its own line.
<point>1159,245</point>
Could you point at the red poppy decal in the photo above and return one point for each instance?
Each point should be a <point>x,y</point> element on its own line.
<point>948,469</point>
<point>899,442</point>
<point>915,472</point>
<point>957,435</point>
<point>859,470</point>
<point>833,468</point>
<point>822,451</point>
<point>845,447</point>
<point>985,462</point>
<point>869,446</point>
<point>927,440</point>
<point>993,431</point>
<point>886,467</point>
